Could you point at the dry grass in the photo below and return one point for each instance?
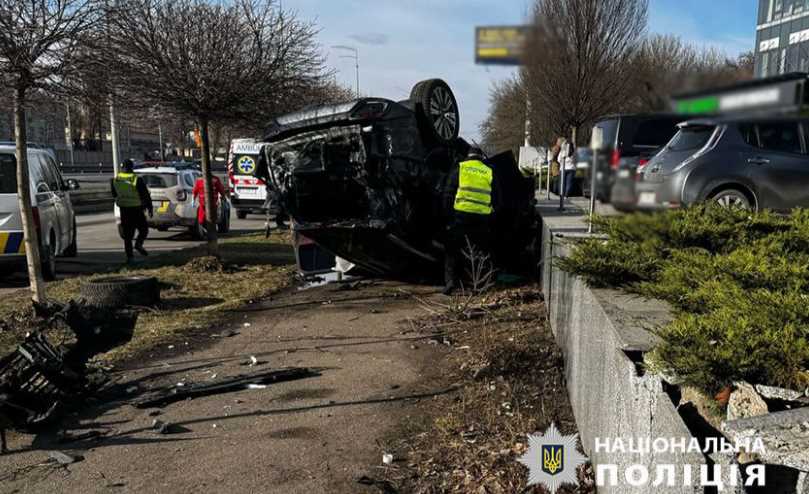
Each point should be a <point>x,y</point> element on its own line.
<point>512,377</point>
<point>197,290</point>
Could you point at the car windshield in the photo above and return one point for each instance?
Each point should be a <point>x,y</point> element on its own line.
<point>159,180</point>
<point>691,138</point>
<point>8,174</point>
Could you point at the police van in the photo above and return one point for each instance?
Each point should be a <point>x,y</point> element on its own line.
<point>248,193</point>
<point>54,218</point>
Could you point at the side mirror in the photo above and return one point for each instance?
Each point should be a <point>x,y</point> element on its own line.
<point>72,184</point>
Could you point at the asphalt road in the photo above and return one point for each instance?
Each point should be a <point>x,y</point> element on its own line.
<point>101,249</point>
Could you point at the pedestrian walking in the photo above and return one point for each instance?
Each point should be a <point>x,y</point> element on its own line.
<point>469,202</point>
<point>568,164</point>
<point>132,198</point>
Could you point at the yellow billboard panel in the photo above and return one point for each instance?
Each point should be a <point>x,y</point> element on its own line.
<point>502,45</point>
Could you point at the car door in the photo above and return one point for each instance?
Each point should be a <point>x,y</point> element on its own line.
<point>64,208</point>
<point>778,165</point>
<point>44,184</point>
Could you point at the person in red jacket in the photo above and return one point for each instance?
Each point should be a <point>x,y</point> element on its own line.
<point>198,195</point>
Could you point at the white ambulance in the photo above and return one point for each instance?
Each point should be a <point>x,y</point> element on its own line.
<point>248,193</point>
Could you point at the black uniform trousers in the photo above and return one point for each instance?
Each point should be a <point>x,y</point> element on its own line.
<point>133,219</point>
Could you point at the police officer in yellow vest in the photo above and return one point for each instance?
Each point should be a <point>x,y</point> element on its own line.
<point>133,198</point>
<point>470,198</point>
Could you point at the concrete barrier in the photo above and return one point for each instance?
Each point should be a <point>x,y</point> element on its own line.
<point>603,334</point>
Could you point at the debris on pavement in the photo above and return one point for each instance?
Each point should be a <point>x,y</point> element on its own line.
<point>40,381</point>
<point>168,428</point>
<point>66,437</point>
<point>63,458</point>
<point>173,394</point>
<point>387,459</point>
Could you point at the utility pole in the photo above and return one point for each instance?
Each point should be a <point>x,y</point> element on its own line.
<point>160,137</point>
<point>356,57</point>
<point>69,138</point>
<point>114,137</point>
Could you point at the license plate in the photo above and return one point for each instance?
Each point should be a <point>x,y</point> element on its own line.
<point>647,198</point>
<point>248,191</point>
<point>162,206</point>
<point>623,173</point>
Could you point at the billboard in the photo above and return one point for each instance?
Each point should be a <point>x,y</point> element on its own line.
<point>500,45</point>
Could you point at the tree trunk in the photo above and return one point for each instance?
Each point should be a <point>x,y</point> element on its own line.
<point>210,204</point>
<point>24,197</point>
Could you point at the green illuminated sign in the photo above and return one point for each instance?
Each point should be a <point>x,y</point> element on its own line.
<point>708,104</point>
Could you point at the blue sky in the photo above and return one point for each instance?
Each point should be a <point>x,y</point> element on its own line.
<point>404,41</point>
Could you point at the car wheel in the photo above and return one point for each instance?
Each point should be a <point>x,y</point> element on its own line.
<point>48,259</point>
<point>241,214</point>
<point>73,249</point>
<point>436,110</point>
<point>731,199</point>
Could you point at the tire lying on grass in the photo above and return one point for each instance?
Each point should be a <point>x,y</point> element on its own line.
<point>119,291</point>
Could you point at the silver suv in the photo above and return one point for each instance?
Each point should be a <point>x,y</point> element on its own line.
<point>749,162</point>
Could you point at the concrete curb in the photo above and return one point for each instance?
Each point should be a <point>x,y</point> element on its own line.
<point>600,332</point>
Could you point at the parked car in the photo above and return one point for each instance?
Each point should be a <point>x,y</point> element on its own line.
<point>54,217</point>
<point>170,186</point>
<point>630,140</point>
<point>749,162</point>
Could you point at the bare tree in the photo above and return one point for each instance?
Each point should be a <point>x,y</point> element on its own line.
<point>214,62</point>
<point>578,65</point>
<point>36,40</point>
<point>504,127</point>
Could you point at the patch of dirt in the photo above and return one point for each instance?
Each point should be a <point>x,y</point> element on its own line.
<point>511,374</point>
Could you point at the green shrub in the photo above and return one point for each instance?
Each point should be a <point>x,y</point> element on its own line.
<point>738,283</point>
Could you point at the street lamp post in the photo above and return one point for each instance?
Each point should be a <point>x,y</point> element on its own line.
<point>356,57</point>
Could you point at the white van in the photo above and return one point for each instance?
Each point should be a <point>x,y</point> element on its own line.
<point>53,212</point>
<point>248,193</point>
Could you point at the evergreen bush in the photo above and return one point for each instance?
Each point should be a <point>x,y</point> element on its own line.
<point>738,283</point>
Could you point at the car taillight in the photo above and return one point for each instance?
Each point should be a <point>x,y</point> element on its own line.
<point>182,195</point>
<point>615,159</point>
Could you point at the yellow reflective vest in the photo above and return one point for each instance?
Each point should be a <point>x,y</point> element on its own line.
<point>474,194</point>
<point>126,190</point>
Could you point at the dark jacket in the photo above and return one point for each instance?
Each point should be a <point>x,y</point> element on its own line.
<point>143,192</point>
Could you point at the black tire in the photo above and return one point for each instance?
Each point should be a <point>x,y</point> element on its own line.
<point>73,249</point>
<point>121,291</point>
<point>47,254</point>
<point>436,110</point>
<point>241,214</point>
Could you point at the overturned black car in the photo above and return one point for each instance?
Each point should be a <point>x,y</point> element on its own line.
<point>364,180</point>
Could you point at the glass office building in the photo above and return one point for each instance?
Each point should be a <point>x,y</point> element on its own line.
<point>782,37</point>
